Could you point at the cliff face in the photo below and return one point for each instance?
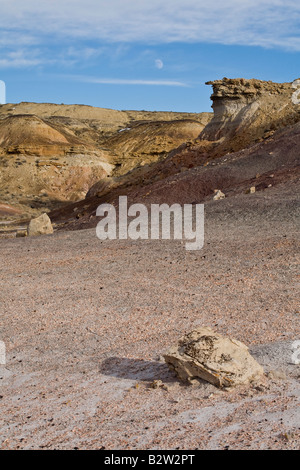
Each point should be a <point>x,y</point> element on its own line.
<point>248,110</point>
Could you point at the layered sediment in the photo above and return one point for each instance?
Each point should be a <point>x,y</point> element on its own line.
<point>246,111</point>
<point>53,154</point>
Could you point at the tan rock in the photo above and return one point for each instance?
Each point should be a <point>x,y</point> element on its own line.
<point>207,355</point>
<point>251,190</point>
<point>40,226</point>
<point>218,195</point>
<point>21,233</point>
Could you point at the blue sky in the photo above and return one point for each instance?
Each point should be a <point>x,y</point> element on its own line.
<point>137,54</point>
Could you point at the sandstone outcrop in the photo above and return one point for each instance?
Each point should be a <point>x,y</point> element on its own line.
<point>248,110</point>
<point>207,355</point>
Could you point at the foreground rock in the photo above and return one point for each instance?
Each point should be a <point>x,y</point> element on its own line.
<point>207,355</point>
<point>40,226</point>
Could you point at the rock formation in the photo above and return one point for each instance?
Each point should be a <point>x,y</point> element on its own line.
<point>207,355</point>
<point>248,110</point>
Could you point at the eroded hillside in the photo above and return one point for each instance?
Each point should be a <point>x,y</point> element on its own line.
<point>252,141</point>
<point>53,154</point>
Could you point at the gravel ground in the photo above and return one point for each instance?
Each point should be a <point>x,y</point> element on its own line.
<point>85,323</point>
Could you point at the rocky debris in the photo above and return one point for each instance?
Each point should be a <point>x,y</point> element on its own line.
<point>158,384</point>
<point>218,195</point>
<point>40,226</point>
<point>207,355</point>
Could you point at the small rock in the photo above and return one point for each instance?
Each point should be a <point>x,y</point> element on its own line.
<point>156,384</point>
<point>40,226</point>
<point>21,233</point>
<point>219,195</point>
<point>250,190</point>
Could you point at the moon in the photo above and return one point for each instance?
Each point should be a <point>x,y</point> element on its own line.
<point>159,64</point>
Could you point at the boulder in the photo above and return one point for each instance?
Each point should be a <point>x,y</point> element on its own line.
<point>40,225</point>
<point>207,355</point>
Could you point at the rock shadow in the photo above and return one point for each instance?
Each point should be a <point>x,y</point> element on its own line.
<point>137,369</point>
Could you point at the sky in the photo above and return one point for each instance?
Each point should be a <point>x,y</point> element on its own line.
<point>144,55</point>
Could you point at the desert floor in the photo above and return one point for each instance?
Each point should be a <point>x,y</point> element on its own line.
<point>85,323</point>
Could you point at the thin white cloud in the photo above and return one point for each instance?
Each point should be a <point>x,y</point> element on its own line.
<point>21,58</point>
<point>266,23</point>
<point>83,53</point>
<point>14,38</point>
<point>117,81</point>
